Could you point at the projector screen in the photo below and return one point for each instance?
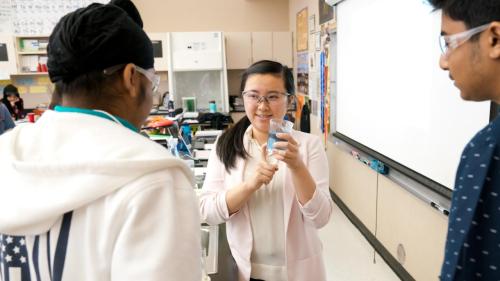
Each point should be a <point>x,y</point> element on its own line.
<point>391,94</point>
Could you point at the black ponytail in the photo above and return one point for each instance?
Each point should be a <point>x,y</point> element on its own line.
<point>230,144</point>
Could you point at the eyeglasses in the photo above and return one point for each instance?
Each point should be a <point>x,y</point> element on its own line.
<point>150,74</point>
<point>451,42</point>
<point>271,98</point>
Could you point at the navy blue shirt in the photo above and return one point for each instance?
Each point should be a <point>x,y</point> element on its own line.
<point>473,243</point>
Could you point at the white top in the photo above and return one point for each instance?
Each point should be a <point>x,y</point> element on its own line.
<point>267,221</point>
<point>132,204</point>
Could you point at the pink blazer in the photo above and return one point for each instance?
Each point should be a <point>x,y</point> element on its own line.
<point>304,257</point>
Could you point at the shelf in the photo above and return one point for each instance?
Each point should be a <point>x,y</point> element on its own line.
<point>30,36</point>
<point>32,53</point>
<point>30,74</point>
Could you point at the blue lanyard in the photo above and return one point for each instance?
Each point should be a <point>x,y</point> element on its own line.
<point>97,113</point>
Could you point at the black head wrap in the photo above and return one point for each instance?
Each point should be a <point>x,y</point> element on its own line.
<point>97,37</point>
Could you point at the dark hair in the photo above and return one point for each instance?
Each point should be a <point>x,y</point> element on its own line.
<point>472,12</point>
<point>230,143</point>
<point>97,37</point>
<point>95,87</point>
<point>12,90</point>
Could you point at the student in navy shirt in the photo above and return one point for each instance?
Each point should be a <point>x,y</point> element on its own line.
<point>470,41</point>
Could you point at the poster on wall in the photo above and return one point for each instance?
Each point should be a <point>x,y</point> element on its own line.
<point>325,12</point>
<point>312,24</point>
<point>5,17</point>
<point>314,81</point>
<point>303,73</point>
<point>314,89</point>
<point>302,30</point>
<point>34,17</point>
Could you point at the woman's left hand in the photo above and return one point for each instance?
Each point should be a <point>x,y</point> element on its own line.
<point>287,151</point>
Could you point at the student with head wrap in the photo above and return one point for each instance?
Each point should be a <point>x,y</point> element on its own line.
<point>83,195</point>
<point>13,101</point>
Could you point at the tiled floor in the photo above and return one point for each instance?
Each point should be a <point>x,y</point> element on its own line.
<point>348,256</point>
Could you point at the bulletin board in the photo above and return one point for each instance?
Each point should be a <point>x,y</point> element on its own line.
<point>302,30</point>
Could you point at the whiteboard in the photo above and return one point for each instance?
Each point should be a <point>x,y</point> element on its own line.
<point>391,94</point>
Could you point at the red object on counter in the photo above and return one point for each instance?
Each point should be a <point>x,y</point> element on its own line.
<point>31,117</point>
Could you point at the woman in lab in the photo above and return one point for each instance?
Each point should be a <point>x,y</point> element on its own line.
<point>13,101</point>
<point>272,211</point>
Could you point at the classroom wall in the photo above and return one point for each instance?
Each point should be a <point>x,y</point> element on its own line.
<point>170,15</point>
<point>213,15</point>
<point>295,7</point>
<point>34,90</point>
<point>392,214</point>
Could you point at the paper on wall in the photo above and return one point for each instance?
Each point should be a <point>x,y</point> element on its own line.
<point>5,16</point>
<point>22,89</point>
<point>38,90</point>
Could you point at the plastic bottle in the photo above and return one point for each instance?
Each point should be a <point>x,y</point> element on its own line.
<point>186,133</point>
<point>172,144</point>
<point>212,106</point>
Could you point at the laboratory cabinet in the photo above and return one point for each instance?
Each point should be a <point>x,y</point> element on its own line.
<point>245,48</point>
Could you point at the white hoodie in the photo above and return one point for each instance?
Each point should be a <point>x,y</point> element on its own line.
<point>131,212</point>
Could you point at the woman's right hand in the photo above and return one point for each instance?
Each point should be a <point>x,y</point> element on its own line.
<point>264,173</point>
<point>237,196</point>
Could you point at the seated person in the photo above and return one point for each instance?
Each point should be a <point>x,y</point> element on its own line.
<point>13,101</point>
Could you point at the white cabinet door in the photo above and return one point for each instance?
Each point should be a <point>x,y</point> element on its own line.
<point>262,46</point>
<point>282,48</point>
<point>238,49</point>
